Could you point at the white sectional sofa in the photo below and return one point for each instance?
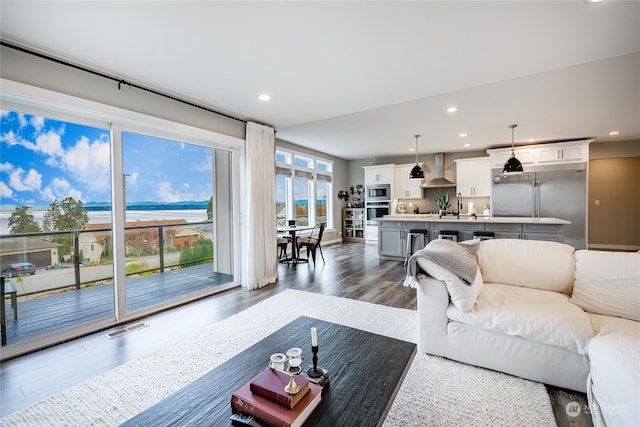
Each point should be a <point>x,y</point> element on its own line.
<point>541,311</point>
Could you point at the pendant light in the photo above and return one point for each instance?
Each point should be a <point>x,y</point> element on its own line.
<point>416,172</point>
<point>513,165</point>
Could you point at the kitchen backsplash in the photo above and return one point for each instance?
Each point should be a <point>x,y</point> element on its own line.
<point>428,203</point>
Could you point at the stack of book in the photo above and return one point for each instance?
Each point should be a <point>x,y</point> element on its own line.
<point>265,399</point>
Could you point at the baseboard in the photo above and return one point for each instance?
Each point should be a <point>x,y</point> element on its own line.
<point>624,248</point>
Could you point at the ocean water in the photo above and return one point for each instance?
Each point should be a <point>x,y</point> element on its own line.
<point>99,217</point>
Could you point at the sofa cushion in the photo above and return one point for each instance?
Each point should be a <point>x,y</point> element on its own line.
<point>608,283</point>
<point>461,294</point>
<point>528,263</point>
<point>614,381</point>
<point>536,315</point>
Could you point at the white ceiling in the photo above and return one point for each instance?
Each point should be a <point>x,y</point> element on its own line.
<point>359,79</point>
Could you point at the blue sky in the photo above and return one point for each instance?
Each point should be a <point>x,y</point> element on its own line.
<point>43,159</point>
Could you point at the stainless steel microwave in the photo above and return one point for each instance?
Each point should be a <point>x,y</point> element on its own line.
<point>378,193</point>
<point>377,211</point>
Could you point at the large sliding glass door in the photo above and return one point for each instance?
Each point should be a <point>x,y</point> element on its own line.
<point>55,187</point>
<point>110,237</point>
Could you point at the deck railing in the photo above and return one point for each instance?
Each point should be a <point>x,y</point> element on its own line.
<point>150,249</point>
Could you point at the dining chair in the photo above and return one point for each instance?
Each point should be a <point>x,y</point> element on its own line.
<point>282,242</point>
<point>313,241</point>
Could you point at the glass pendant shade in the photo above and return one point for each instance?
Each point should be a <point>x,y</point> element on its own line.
<point>513,165</point>
<point>416,172</point>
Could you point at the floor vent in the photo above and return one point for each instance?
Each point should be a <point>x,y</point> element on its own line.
<point>120,332</point>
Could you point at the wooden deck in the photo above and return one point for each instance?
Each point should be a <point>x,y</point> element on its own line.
<point>46,314</point>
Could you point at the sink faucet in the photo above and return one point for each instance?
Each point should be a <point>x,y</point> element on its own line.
<point>459,203</point>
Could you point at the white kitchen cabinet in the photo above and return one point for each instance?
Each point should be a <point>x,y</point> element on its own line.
<point>378,174</point>
<point>543,154</point>
<point>562,154</point>
<point>473,177</point>
<point>500,156</point>
<point>405,188</point>
<point>371,233</point>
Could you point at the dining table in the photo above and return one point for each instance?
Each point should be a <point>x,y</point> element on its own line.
<point>293,231</point>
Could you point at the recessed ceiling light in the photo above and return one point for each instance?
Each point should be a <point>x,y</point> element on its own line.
<point>614,132</point>
<point>452,109</point>
<point>463,134</point>
<point>411,149</point>
<point>467,145</point>
<point>531,140</point>
<point>264,97</point>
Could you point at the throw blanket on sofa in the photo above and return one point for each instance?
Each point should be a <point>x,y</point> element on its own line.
<point>458,258</point>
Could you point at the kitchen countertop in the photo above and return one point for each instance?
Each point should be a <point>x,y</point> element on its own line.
<point>479,218</point>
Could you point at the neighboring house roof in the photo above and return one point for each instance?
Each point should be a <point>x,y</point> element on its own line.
<point>25,244</point>
<point>189,232</point>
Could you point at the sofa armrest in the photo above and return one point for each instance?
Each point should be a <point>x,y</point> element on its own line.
<point>433,300</point>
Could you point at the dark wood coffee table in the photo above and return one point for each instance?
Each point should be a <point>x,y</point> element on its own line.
<point>365,373</point>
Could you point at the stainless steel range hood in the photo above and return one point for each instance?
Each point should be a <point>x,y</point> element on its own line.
<point>439,180</point>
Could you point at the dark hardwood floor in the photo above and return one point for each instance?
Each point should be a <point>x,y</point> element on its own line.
<point>352,270</point>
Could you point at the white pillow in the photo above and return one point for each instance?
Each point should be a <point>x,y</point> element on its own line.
<point>528,263</point>
<point>608,283</point>
<point>462,296</point>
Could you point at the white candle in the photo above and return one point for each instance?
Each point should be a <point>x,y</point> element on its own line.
<point>314,337</point>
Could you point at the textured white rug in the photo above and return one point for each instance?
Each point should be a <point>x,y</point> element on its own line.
<point>435,392</point>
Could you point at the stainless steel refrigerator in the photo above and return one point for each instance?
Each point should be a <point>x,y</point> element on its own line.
<point>558,191</point>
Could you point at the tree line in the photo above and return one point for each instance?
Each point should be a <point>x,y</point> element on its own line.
<point>62,215</point>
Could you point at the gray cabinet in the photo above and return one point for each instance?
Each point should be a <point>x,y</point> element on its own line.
<point>392,235</point>
<point>550,232</point>
<point>505,231</point>
<point>465,229</point>
<point>391,239</point>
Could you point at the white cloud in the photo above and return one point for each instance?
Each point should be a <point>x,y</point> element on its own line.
<point>22,120</point>
<point>167,194</point>
<point>6,167</point>
<point>89,163</point>
<point>49,143</point>
<point>5,191</point>
<point>10,138</point>
<point>203,166</point>
<point>60,189</point>
<point>132,179</point>
<point>32,181</point>
<point>37,123</point>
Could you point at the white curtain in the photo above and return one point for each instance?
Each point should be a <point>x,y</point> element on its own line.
<point>260,169</point>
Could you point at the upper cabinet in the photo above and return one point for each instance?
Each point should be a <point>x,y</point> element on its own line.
<point>544,154</point>
<point>570,153</point>
<point>499,156</point>
<point>379,174</point>
<point>405,188</point>
<point>473,177</point>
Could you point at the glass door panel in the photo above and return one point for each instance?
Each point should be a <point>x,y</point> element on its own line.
<point>55,224</point>
<point>172,206</point>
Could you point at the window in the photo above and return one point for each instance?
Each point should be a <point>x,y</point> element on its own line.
<point>303,186</point>
<point>60,211</point>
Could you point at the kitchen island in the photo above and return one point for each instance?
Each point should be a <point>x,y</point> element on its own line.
<point>393,229</point>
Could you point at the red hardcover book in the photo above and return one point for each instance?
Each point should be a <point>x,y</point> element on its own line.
<point>273,414</point>
<point>270,383</point>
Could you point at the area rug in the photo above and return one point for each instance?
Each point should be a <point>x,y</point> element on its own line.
<point>435,392</point>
